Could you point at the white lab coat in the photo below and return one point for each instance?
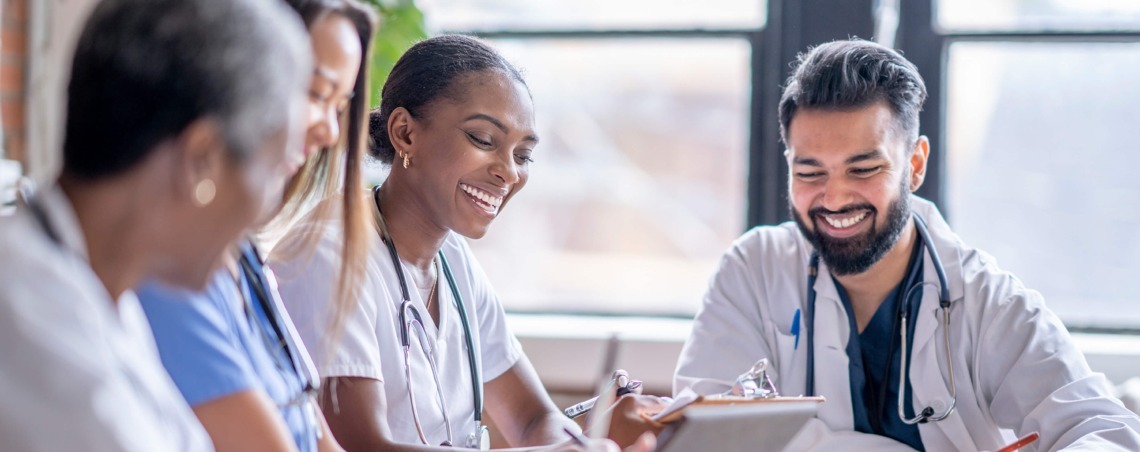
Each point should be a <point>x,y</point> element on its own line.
<point>78,372</point>
<point>1016,367</point>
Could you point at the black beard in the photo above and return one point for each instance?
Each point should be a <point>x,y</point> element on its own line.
<point>857,254</point>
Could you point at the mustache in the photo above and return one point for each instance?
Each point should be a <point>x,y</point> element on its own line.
<point>816,211</point>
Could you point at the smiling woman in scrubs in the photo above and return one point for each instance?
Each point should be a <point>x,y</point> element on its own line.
<point>225,348</point>
<point>456,125</point>
<point>174,144</point>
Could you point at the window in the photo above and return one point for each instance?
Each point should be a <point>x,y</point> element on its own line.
<point>592,15</point>
<point>638,185</point>
<point>640,181</point>
<point>1041,169</point>
<point>1038,15</point>
<point>1037,110</point>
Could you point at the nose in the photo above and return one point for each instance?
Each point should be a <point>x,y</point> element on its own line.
<point>505,169</point>
<point>330,122</point>
<point>837,194</point>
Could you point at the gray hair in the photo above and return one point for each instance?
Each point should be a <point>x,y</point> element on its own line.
<point>145,69</point>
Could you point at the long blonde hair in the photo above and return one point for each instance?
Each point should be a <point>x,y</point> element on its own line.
<point>335,169</point>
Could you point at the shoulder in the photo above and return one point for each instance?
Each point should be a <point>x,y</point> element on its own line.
<point>312,246</point>
<point>199,337</point>
<point>45,292</point>
<point>769,250</point>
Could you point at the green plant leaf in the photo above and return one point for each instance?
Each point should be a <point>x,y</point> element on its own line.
<point>401,26</point>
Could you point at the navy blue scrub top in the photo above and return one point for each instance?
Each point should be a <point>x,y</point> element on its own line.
<point>869,354</point>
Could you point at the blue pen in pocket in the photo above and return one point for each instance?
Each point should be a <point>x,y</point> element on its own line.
<point>796,328</point>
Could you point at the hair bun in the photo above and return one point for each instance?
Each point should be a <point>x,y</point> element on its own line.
<point>378,143</point>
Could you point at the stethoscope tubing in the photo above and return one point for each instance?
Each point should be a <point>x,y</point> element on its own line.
<point>927,414</point>
<point>406,326</point>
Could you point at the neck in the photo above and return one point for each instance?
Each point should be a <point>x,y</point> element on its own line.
<point>409,224</point>
<point>114,230</point>
<point>869,289</point>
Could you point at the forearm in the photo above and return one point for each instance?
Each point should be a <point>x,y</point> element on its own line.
<point>547,428</point>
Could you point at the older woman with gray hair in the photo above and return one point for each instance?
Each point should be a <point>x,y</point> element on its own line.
<point>181,126</point>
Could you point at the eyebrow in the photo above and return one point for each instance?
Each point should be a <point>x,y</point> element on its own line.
<point>869,155</point>
<point>327,74</point>
<point>498,124</point>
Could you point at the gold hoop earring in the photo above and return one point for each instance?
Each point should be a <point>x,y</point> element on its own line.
<point>407,160</point>
<point>204,192</point>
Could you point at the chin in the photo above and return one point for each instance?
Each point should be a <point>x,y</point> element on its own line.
<point>474,234</point>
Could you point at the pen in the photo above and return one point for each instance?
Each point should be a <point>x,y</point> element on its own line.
<point>599,424</point>
<point>576,438</point>
<point>796,328</point>
<point>1021,442</point>
<point>585,406</point>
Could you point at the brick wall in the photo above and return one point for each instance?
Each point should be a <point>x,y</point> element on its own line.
<point>13,67</point>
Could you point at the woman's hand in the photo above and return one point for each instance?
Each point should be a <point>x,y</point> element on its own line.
<point>628,426</point>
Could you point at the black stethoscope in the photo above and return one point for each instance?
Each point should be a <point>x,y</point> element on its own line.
<point>927,414</point>
<point>410,318</point>
<point>263,285</point>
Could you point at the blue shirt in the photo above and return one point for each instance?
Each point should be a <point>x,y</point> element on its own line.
<point>872,351</point>
<point>213,345</point>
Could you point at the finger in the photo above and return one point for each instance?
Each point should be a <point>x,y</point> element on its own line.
<point>605,445</point>
<point>647,442</point>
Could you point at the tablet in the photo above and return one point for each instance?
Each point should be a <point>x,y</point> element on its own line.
<point>743,427</point>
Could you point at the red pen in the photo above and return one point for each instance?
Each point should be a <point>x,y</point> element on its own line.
<point>1021,442</point>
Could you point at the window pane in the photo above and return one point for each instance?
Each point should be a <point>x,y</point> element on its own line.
<point>639,182</point>
<point>1039,15</point>
<point>453,15</point>
<point>1042,170</point>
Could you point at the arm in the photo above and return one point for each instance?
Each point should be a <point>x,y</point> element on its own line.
<point>356,414</point>
<point>356,411</point>
<point>245,421</point>
<point>522,410</point>
<point>1041,382</point>
<point>327,442</point>
<point>198,339</point>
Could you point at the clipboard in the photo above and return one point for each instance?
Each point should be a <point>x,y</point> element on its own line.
<point>689,399</point>
<point>736,425</point>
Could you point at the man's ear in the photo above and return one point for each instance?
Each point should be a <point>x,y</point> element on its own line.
<point>919,156</point>
<point>401,126</point>
<point>201,153</point>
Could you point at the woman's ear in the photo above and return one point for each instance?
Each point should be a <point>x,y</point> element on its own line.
<point>401,126</point>
<point>919,157</point>
<point>200,162</point>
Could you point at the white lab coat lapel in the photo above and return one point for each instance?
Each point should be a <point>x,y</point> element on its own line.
<point>832,374</point>
<point>929,378</point>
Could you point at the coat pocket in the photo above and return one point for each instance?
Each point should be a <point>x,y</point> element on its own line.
<point>784,362</point>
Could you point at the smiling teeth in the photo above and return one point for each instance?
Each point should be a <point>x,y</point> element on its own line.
<point>846,222</point>
<point>490,202</point>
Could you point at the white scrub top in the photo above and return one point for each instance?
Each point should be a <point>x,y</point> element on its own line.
<point>1016,368</point>
<point>369,346</point>
<point>78,372</point>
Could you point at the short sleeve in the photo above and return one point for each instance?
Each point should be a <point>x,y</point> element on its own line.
<point>197,338</point>
<point>307,281</point>
<point>499,349</point>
